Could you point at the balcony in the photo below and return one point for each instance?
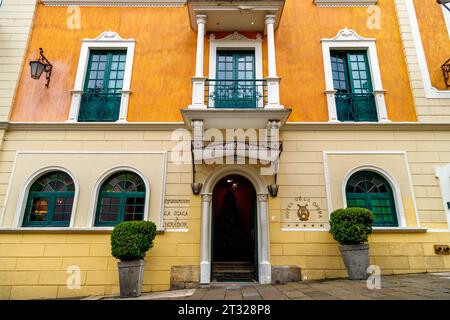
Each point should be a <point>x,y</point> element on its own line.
<point>235,94</point>
<point>357,107</point>
<point>99,107</point>
<point>232,15</point>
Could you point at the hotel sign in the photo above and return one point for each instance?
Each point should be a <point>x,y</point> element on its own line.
<point>303,213</point>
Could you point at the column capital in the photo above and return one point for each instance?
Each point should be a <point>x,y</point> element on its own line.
<point>270,19</point>
<point>206,197</point>
<point>201,18</point>
<point>262,197</point>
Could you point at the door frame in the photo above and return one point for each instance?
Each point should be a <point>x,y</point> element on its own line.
<point>235,57</point>
<point>254,222</point>
<point>253,175</point>
<point>235,42</point>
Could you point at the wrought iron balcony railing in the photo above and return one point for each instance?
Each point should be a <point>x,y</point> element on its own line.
<point>235,94</point>
<point>446,71</point>
<point>356,107</point>
<point>99,107</point>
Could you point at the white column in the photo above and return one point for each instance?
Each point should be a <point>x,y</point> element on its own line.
<point>332,111</point>
<point>124,106</point>
<point>270,21</point>
<point>381,105</point>
<point>198,81</point>
<point>205,254</point>
<point>265,269</point>
<point>273,81</point>
<point>201,22</point>
<point>75,106</point>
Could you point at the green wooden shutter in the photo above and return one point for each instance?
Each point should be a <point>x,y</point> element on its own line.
<point>236,84</point>
<point>366,189</point>
<point>121,198</point>
<point>352,81</point>
<point>102,90</point>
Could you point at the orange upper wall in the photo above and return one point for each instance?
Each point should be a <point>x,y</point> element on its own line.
<point>434,37</point>
<point>165,59</point>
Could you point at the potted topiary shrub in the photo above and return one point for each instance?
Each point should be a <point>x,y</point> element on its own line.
<point>351,228</point>
<point>130,242</point>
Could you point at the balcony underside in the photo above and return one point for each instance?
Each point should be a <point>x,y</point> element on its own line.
<point>228,16</point>
<point>235,118</point>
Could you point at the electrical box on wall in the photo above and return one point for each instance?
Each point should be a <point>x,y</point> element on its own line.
<point>441,249</point>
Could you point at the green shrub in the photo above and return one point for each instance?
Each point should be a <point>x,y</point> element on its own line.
<point>131,240</point>
<point>351,225</point>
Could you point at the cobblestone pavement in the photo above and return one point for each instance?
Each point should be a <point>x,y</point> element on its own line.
<point>427,286</point>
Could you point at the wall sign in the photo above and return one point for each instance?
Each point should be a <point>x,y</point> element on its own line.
<point>303,213</point>
<point>176,213</point>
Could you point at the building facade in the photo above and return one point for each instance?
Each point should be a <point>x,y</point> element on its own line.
<point>236,126</point>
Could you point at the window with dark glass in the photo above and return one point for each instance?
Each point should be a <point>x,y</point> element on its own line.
<point>367,189</point>
<point>236,85</point>
<point>352,81</point>
<point>101,97</point>
<point>121,198</point>
<point>50,201</point>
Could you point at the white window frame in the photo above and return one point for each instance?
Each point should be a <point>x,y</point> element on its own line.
<point>236,41</point>
<point>446,18</point>
<point>98,185</point>
<point>443,174</point>
<point>25,191</point>
<point>348,39</point>
<point>108,40</point>
<point>393,184</point>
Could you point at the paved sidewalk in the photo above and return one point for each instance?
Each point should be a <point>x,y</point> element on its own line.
<point>427,286</point>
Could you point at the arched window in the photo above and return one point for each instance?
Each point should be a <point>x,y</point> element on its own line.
<point>121,198</point>
<point>367,189</point>
<point>50,201</point>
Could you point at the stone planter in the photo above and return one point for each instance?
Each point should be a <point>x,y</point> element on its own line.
<point>356,260</point>
<point>131,275</point>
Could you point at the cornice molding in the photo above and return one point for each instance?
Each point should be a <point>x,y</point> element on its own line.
<point>345,3</point>
<point>167,126</point>
<point>92,126</point>
<point>365,126</point>
<point>115,3</point>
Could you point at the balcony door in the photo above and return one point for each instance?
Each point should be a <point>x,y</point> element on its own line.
<point>235,86</point>
<point>352,81</point>
<point>101,97</point>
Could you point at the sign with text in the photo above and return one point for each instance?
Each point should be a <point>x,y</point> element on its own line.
<point>176,213</point>
<point>303,213</point>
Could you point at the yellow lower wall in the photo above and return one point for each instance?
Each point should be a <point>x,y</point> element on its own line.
<point>34,266</point>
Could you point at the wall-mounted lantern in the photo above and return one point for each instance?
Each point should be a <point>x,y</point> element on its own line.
<point>446,71</point>
<point>41,65</point>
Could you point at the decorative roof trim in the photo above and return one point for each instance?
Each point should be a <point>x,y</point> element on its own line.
<point>115,3</point>
<point>345,3</point>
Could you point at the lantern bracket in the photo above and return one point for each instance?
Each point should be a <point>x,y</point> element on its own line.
<point>48,67</point>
